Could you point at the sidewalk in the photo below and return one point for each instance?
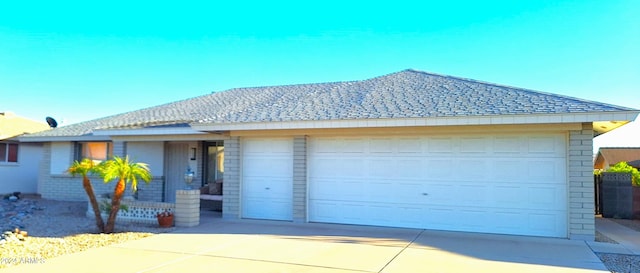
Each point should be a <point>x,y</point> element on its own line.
<point>628,239</point>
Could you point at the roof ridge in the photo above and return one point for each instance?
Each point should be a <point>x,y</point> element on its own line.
<point>286,85</point>
<point>512,87</point>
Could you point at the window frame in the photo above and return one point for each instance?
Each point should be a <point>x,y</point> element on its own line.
<point>6,157</point>
<point>80,147</point>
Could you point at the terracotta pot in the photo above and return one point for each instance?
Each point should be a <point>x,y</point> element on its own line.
<point>165,221</point>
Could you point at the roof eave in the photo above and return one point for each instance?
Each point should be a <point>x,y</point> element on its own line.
<point>64,138</point>
<point>618,117</point>
<point>148,132</point>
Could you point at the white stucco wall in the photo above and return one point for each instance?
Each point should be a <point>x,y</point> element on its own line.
<point>151,153</point>
<point>22,176</point>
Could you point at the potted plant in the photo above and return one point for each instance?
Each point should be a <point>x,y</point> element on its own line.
<point>165,218</point>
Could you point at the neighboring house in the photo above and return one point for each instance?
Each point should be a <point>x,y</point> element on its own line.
<point>408,149</point>
<point>19,162</point>
<point>609,156</point>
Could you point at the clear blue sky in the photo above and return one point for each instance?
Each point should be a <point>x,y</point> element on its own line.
<point>77,61</point>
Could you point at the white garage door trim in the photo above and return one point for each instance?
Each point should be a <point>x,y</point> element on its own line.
<point>267,178</point>
<point>507,184</point>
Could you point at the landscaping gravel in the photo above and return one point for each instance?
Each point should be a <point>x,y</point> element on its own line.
<point>620,263</point>
<point>604,239</point>
<point>56,228</point>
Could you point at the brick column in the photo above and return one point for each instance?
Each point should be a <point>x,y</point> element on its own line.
<point>581,203</point>
<point>300,179</point>
<point>231,189</point>
<point>187,212</point>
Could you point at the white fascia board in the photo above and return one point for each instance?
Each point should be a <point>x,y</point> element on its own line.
<point>436,121</point>
<point>147,132</point>
<point>64,138</point>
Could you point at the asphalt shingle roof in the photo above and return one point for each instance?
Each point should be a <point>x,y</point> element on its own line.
<point>405,94</point>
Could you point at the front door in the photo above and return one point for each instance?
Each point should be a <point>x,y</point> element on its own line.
<point>177,163</point>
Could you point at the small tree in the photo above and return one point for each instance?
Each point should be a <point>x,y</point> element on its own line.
<point>624,167</point>
<point>126,172</point>
<point>83,168</point>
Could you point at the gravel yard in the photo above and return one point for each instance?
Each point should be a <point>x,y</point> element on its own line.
<point>56,228</point>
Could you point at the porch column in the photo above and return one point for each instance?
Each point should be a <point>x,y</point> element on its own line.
<point>187,212</point>
<point>231,189</point>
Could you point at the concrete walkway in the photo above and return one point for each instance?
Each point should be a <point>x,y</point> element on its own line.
<point>628,239</point>
<point>266,246</point>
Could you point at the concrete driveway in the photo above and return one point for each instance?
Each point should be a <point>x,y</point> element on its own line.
<point>265,246</point>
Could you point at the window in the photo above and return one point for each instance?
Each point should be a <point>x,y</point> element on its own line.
<point>96,151</point>
<point>9,152</point>
<point>215,161</point>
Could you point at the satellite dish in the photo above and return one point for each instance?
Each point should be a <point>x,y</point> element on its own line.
<point>52,122</point>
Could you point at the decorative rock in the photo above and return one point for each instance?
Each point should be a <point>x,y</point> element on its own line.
<point>13,198</point>
<point>12,213</point>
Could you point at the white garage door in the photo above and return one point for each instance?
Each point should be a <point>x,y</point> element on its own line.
<point>508,184</point>
<point>267,178</point>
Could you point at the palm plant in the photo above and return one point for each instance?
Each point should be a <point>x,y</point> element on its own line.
<point>126,172</point>
<point>83,168</point>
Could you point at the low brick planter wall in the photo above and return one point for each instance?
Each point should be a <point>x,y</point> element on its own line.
<point>137,212</point>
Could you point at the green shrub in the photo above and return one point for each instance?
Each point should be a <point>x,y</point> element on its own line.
<point>623,167</point>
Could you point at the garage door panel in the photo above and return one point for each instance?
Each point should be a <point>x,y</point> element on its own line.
<point>539,223</point>
<point>350,167</point>
<point>267,178</point>
<point>438,192</point>
<point>268,166</point>
<point>382,168</point>
<point>325,189</point>
<point>262,208</point>
<point>507,145</point>
<point>270,187</point>
<point>378,214</point>
<point>440,217</point>
<point>472,194</point>
<point>379,190</point>
<point>508,196</point>
<point>413,168</point>
<point>474,145</point>
<point>506,221</point>
<point>545,197</point>
<point>487,183</point>
<point>546,145</point>
<point>440,168</point>
<point>510,170</point>
<point>410,146</point>
<point>321,165</point>
<point>381,146</point>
